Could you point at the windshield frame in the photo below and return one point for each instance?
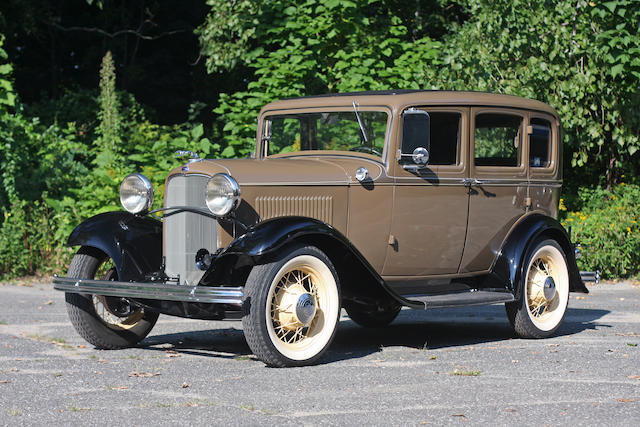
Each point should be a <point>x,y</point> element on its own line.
<point>262,142</point>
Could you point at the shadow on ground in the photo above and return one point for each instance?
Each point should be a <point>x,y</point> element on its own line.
<point>433,329</point>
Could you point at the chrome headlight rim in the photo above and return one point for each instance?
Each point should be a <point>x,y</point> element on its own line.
<point>232,194</point>
<point>145,190</point>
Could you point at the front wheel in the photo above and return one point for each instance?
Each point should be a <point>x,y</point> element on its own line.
<point>545,292</point>
<point>106,322</point>
<point>292,307</point>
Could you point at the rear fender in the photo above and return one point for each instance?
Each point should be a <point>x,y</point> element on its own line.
<point>134,243</point>
<point>508,267</point>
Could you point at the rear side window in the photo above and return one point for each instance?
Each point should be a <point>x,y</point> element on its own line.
<point>497,139</point>
<point>540,144</point>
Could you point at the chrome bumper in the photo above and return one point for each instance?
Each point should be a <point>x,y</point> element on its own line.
<point>590,276</point>
<point>158,291</point>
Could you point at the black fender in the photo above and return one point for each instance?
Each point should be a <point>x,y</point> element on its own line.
<point>134,243</point>
<point>508,267</point>
<point>263,240</point>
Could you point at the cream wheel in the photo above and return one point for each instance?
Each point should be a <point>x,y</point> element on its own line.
<point>545,292</point>
<point>105,322</point>
<point>294,304</point>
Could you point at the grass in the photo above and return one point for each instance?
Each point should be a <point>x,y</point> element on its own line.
<point>13,412</point>
<point>3,323</point>
<point>460,373</point>
<point>76,409</point>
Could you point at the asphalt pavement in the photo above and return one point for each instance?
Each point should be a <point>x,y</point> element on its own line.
<point>442,367</point>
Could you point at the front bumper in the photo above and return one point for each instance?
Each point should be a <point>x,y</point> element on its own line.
<point>156,291</point>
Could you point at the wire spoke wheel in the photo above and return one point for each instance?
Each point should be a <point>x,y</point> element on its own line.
<point>297,308</point>
<point>115,312</point>
<point>106,322</point>
<point>545,292</point>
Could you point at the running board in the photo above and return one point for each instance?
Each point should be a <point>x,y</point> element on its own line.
<point>460,299</point>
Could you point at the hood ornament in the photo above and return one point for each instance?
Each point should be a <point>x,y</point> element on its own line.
<point>193,157</point>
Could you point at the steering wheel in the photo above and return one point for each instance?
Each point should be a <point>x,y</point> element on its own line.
<point>366,149</point>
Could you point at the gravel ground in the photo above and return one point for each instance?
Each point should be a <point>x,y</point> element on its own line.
<point>456,366</point>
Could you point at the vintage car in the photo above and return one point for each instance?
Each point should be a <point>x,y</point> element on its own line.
<point>369,201</point>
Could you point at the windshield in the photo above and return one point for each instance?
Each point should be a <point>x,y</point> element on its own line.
<point>334,131</point>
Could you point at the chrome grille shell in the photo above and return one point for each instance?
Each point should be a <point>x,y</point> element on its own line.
<point>187,232</point>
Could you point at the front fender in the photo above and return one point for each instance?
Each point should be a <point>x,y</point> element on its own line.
<point>508,267</point>
<point>262,241</point>
<point>134,243</point>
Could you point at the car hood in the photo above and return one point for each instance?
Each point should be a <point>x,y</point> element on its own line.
<point>284,171</point>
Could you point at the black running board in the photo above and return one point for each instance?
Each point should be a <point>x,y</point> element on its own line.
<point>460,299</point>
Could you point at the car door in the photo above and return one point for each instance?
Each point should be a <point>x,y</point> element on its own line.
<point>429,217</point>
<point>498,183</point>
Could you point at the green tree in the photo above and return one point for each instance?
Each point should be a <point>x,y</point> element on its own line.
<point>295,48</point>
<point>580,57</point>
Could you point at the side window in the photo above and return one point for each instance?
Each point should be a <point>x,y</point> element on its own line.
<point>445,139</point>
<point>497,139</point>
<point>540,143</point>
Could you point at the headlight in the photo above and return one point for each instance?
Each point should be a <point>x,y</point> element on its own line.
<point>136,193</point>
<point>222,194</point>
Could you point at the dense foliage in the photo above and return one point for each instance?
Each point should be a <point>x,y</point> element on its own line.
<point>73,75</point>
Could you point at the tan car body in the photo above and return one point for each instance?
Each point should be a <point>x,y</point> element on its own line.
<point>412,229</point>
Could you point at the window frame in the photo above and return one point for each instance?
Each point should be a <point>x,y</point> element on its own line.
<point>496,170</point>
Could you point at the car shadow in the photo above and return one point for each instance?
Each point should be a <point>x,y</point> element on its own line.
<point>424,330</point>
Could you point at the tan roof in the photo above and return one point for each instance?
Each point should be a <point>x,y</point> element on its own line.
<point>401,99</point>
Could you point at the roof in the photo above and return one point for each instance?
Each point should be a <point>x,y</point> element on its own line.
<point>402,98</point>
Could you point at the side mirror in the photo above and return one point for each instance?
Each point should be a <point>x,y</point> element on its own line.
<point>416,137</point>
<point>420,156</point>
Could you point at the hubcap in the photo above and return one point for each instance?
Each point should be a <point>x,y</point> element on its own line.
<point>306,308</point>
<point>549,288</point>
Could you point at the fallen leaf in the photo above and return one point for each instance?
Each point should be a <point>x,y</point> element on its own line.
<point>82,346</point>
<point>510,410</point>
<point>5,381</point>
<point>185,384</point>
<point>620,399</point>
<point>579,297</point>
<point>48,302</point>
<point>627,334</point>
<point>464,418</point>
<point>143,374</point>
<point>634,377</point>
<point>432,357</point>
<point>632,344</point>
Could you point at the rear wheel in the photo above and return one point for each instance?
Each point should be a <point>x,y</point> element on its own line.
<point>106,322</point>
<point>292,307</point>
<point>375,318</point>
<point>545,292</point>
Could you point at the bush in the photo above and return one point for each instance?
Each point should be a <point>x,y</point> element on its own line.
<point>607,227</point>
<point>30,242</point>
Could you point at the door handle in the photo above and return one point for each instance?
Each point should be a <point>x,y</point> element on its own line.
<point>469,182</point>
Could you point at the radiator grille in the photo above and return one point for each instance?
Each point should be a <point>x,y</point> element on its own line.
<point>186,232</point>
<point>318,207</point>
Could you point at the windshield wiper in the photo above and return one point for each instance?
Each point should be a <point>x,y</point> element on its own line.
<point>364,134</point>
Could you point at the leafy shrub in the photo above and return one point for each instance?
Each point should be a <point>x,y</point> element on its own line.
<point>30,241</point>
<point>607,228</point>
